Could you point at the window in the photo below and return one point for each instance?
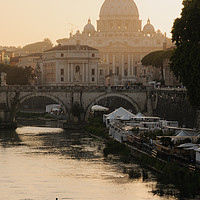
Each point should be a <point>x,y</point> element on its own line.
<point>93,79</point>
<point>61,55</point>
<point>93,55</point>
<point>101,72</point>
<point>61,71</point>
<point>93,71</point>
<point>77,69</point>
<point>62,79</point>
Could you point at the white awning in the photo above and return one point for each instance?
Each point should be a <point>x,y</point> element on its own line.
<point>99,108</point>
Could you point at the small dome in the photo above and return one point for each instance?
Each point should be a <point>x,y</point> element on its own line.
<point>148,28</point>
<point>89,28</point>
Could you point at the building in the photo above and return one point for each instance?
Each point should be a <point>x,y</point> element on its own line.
<point>121,40</point>
<point>5,56</point>
<point>71,65</point>
<point>30,60</point>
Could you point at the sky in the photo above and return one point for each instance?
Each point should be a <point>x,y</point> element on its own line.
<point>28,21</point>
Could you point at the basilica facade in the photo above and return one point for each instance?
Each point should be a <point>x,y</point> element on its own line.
<point>120,39</point>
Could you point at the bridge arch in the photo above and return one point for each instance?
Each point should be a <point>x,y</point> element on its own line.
<point>42,94</point>
<point>123,96</point>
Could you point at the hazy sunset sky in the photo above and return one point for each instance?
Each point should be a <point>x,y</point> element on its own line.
<point>27,21</point>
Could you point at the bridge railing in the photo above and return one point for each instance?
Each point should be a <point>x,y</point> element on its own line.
<point>73,88</point>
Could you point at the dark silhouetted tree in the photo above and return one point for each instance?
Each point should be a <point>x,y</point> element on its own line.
<point>186,57</point>
<point>17,75</point>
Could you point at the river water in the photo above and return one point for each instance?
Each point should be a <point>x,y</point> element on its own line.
<point>40,163</point>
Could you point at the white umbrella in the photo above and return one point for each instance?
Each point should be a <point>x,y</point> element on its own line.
<point>99,108</point>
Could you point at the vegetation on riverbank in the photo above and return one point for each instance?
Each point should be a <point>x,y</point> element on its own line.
<point>188,182</point>
<point>34,115</point>
<point>96,127</point>
<point>116,148</point>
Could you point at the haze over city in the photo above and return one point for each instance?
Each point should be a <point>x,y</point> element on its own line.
<point>30,21</point>
<point>97,101</point>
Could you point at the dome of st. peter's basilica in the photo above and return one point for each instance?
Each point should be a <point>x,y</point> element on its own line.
<point>119,9</point>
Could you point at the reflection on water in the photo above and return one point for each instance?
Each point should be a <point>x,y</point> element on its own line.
<point>46,163</point>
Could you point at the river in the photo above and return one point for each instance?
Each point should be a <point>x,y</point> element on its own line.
<point>41,163</point>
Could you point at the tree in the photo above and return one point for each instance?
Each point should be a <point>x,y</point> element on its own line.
<point>76,110</point>
<point>156,59</point>
<point>17,75</point>
<point>186,57</point>
<point>38,46</point>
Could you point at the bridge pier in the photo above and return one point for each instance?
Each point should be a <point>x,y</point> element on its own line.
<point>149,103</point>
<point>198,119</point>
<point>4,112</point>
<point>5,121</point>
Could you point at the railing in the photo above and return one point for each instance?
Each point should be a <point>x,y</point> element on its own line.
<point>74,88</point>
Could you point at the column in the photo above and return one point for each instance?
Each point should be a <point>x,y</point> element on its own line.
<point>107,59</point>
<point>129,65</point>
<point>68,72</point>
<point>113,64</point>
<point>104,58</point>
<point>87,73</point>
<point>83,73</point>
<point>122,65</point>
<point>72,73</point>
<point>133,71</point>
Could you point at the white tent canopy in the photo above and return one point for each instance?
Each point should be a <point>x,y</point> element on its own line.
<point>193,148</point>
<point>182,133</point>
<point>186,145</point>
<point>197,150</point>
<point>126,117</point>
<point>121,112</point>
<point>140,115</point>
<point>112,116</point>
<point>99,108</point>
<point>117,114</point>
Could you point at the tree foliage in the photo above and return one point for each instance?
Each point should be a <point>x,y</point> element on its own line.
<point>186,57</point>
<point>156,58</point>
<point>17,75</point>
<point>76,110</point>
<point>38,46</point>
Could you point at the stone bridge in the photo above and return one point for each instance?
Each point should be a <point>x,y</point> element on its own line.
<point>136,98</point>
<point>11,97</point>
